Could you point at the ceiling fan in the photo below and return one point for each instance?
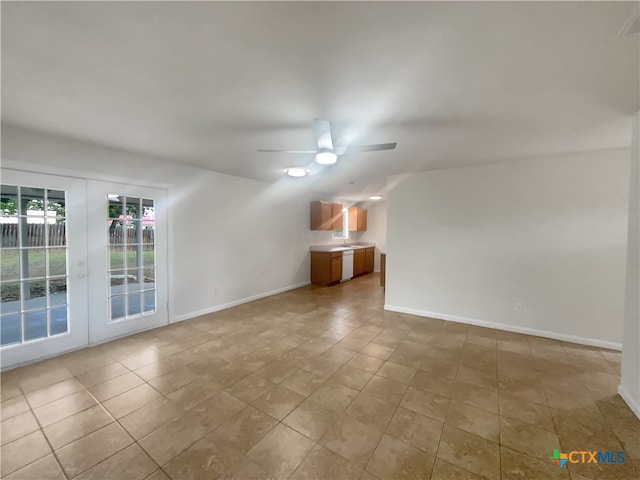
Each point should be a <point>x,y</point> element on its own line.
<point>327,153</point>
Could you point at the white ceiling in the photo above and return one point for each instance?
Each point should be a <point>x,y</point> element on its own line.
<point>209,83</point>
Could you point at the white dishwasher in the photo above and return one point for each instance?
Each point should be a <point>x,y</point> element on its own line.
<point>347,265</point>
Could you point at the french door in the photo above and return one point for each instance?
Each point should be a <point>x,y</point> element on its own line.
<point>81,262</point>
<point>43,271</point>
<point>128,259</point>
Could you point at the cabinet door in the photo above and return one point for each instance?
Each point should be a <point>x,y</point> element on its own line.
<point>362,220</point>
<point>369,259</point>
<point>357,219</point>
<point>326,216</point>
<point>321,216</point>
<point>320,268</point>
<point>353,219</point>
<point>336,216</point>
<point>336,268</point>
<point>358,262</point>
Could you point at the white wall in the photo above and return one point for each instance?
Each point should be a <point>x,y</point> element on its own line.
<point>376,228</point>
<point>243,237</point>
<point>630,381</point>
<point>467,244</point>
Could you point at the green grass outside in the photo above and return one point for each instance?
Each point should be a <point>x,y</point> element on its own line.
<point>10,266</point>
<point>117,258</point>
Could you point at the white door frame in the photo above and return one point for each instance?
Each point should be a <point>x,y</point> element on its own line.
<point>87,174</point>
<point>76,234</point>
<point>101,329</point>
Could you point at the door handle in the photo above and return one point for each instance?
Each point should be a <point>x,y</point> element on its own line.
<point>81,275</point>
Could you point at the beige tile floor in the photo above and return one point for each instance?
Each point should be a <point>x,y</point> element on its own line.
<point>317,383</point>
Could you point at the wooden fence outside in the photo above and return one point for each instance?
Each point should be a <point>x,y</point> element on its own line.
<point>117,236</point>
<point>35,235</point>
<point>58,236</point>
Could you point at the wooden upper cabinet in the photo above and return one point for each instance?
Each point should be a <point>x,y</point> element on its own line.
<point>321,216</point>
<point>357,219</point>
<point>325,216</point>
<point>362,220</point>
<point>337,216</point>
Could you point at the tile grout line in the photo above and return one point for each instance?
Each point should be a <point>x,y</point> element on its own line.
<point>98,403</point>
<point>115,420</point>
<point>343,412</point>
<point>445,419</point>
<point>41,430</point>
<point>384,430</point>
<point>53,451</point>
<point>499,413</point>
<point>327,327</point>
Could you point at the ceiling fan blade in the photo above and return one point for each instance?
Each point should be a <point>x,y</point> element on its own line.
<point>370,148</point>
<point>323,135</point>
<point>285,151</point>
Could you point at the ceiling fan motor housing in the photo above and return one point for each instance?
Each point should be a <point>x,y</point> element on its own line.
<point>326,156</point>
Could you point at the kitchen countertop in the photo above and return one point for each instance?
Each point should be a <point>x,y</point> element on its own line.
<point>340,248</point>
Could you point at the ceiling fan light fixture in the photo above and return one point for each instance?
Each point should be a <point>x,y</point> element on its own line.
<point>375,197</point>
<point>296,171</point>
<point>326,157</point>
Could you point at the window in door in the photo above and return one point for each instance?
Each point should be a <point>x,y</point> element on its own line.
<point>132,268</point>
<point>33,264</point>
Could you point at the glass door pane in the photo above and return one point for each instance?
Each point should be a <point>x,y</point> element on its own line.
<point>33,254</point>
<point>131,222</point>
<point>43,260</point>
<point>128,260</point>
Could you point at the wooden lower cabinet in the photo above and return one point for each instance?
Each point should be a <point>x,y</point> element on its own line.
<point>326,268</point>
<point>363,259</point>
<point>369,256</point>
<point>335,274</point>
<point>359,262</point>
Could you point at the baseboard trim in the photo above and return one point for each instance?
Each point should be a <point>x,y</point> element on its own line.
<point>235,303</point>
<point>629,400</point>
<point>592,342</point>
